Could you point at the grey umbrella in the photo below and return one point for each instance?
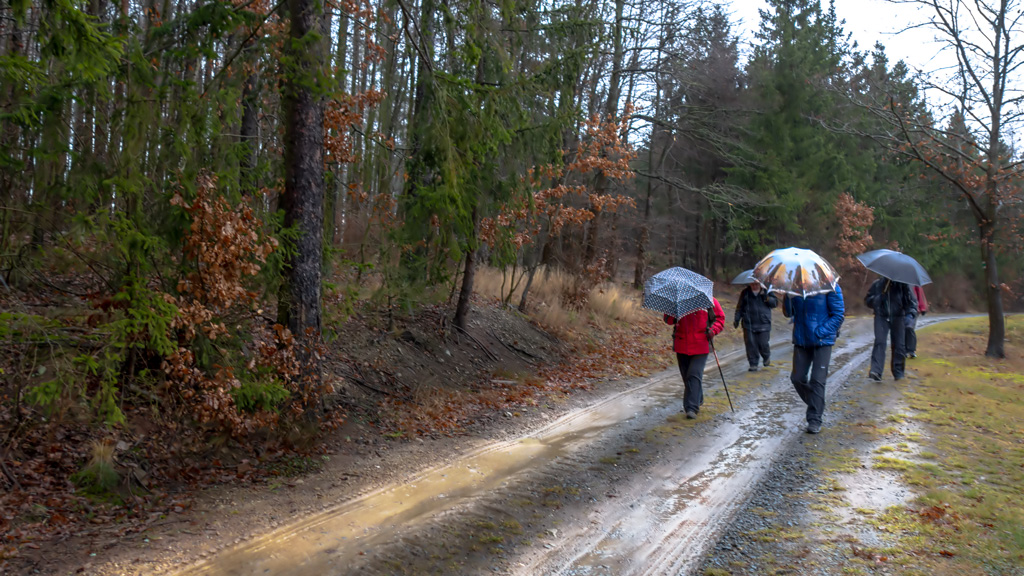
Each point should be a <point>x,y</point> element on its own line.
<point>745,277</point>
<point>895,266</point>
<point>677,292</point>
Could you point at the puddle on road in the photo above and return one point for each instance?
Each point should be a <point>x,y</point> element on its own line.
<point>324,542</point>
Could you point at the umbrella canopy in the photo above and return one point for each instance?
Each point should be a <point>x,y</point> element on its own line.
<point>796,271</point>
<point>745,277</point>
<point>895,266</point>
<point>677,292</point>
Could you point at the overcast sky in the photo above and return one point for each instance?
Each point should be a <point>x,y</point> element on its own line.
<point>868,21</point>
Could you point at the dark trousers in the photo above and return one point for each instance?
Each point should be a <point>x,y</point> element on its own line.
<point>896,331</point>
<point>911,337</point>
<point>810,370</point>
<point>691,368</point>
<point>757,346</point>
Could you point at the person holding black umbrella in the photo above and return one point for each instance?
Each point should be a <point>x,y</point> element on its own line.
<point>754,311</point>
<point>691,337</point>
<point>895,304</point>
<point>895,307</point>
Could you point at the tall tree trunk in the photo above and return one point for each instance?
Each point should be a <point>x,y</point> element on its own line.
<point>338,192</point>
<point>640,271</point>
<point>249,134</point>
<point>11,187</point>
<point>611,109</point>
<point>994,294</point>
<point>420,164</point>
<point>462,307</point>
<point>303,197</point>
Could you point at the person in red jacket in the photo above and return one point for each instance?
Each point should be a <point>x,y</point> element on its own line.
<point>911,336</point>
<point>690,339</point>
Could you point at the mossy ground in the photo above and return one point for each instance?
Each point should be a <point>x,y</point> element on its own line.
<point>968,468</point>
<point>921,477</point>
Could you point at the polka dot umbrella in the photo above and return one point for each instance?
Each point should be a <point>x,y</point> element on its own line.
<point>677,292</point>
<point>796,271</point>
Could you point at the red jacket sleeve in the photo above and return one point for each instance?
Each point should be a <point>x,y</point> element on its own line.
<point>719,324</point>
<point>922,303</point>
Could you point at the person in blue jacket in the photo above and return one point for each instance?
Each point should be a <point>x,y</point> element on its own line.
<point>816,323</point>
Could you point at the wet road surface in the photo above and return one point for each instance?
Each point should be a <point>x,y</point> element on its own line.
<point>625,486</point>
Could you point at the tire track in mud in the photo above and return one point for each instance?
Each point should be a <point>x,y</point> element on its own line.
<point>678,534</point>
<point>625,486</point>
<point>363,532</point>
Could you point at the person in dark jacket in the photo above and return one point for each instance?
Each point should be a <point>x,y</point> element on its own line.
<point>922,309</point>
<point>754,311</point>
<point>690,338</point>
<point>895,308</point>
<point>816,323</point>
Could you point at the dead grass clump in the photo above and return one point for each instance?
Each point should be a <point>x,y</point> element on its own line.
<point>610,301</point>
<point>99,475</point>
<point>546,303</point>
<point>555,319</point>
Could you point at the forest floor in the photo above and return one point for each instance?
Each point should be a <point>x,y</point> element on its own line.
<point>414,391</point>
<point>568,455</point>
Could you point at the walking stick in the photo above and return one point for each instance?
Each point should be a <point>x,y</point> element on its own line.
<point>711,341</point>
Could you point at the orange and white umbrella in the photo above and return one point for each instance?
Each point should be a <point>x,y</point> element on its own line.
<point>796,271</point>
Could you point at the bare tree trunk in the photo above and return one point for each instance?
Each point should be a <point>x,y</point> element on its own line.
<point>462,308</point>
<point>640,271</point>
<point>994,292</point>
<point>611,108</point>
<point>303,197</point>
<point>249,134</point>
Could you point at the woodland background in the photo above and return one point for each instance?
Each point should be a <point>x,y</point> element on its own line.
<point>196,197</point>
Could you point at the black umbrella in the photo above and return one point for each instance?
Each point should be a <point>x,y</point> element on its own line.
<point>895,266</point>
<point>677,292</point>
<point>745,277</point>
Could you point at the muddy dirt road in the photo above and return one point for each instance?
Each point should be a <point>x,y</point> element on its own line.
<point>625,486</point>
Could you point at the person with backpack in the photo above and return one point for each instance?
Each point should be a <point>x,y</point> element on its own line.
<point>816,323</point>
<point>691,336</point>
<point>922,309</point>
<point>895,308</point>
<point>754,311</point>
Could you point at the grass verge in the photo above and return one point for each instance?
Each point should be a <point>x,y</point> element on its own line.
<point>968,517</point>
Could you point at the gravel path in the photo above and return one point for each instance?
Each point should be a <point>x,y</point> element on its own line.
<point>625,485</point>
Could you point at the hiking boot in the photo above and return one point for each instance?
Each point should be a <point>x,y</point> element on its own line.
<point>767,362</point>
<point>912,355</point>
<point>814,427</point>
<point>690,414</point>
<point>752,369</point>
<point>875,377</point>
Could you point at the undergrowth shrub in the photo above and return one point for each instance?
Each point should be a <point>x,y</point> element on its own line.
<point>200,348</point>
<point>218,312</point>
